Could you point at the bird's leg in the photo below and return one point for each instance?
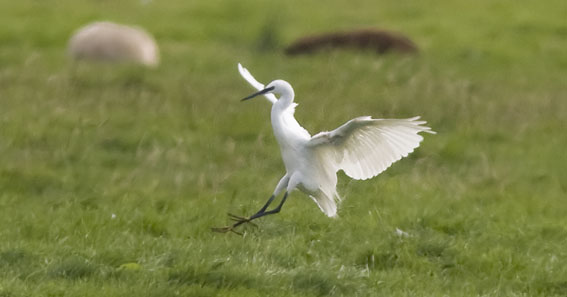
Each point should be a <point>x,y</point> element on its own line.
<point>263,209</point>
<point>229,228</point>
<point>262,212</point>
<point>267,203</point>
<point>247,220</point>
<point>241,219</point>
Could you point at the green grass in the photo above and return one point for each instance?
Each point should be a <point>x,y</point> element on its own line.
<point>111,177</point>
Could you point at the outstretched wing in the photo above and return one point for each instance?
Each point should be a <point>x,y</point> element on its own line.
<point>364,147</point>
<point>257,85</point>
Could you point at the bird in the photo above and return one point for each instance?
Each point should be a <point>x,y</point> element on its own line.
<point>362,147</point>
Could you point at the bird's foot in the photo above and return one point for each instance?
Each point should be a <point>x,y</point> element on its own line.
<point>226,229</point>
<point>241,220</point>
<point>238,221</point>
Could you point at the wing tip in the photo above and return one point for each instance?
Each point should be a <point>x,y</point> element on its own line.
<point>427,129</point>
<point>241,69</point>
<point>420,123</point>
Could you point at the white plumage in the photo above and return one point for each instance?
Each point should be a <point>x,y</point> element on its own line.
<point>257,85</point>
<point>363,147</point>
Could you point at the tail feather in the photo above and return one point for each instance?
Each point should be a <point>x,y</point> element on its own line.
<point>326,202</point>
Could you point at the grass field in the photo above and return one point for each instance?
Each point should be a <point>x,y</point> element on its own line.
<point>111,177</point>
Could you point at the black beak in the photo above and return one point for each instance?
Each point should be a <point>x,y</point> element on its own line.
<point>262,92</point>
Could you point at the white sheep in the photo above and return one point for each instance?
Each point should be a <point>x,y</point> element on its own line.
<point>106,41</point>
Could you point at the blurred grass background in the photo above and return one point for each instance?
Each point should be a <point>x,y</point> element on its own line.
<point>111,176</point>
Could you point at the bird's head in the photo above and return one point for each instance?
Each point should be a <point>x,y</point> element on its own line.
<point>276,87</point>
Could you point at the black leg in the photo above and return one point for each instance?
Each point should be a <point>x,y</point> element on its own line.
<point>267,203</point>
<point>263,209</point>
<point>262,212</point>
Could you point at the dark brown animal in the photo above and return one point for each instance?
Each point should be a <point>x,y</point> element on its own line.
<point>378,40</point>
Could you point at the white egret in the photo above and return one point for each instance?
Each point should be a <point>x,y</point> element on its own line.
<point>363,147</point>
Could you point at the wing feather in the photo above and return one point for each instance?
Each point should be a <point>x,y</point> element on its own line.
<point>253,82</point>
<point>364,147</point>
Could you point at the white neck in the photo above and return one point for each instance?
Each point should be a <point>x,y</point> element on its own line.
<point>286,98</point>
<point>284,123</point>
